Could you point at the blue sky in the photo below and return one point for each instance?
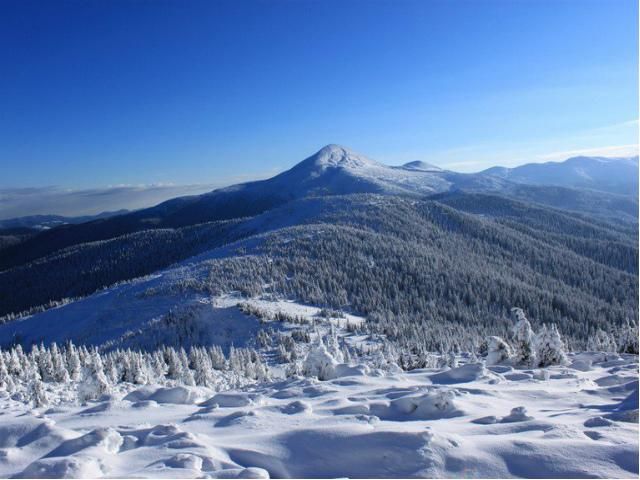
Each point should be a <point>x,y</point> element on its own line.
<point>134,93</point>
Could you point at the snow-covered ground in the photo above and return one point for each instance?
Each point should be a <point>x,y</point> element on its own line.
<point>470,421</point>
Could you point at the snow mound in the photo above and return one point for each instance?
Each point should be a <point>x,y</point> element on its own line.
<point>176,395</point>
<point>432,405</point>
<point>344,370</point>
<point>250,472</point>
<point>518,414</point>
<point>72,467</point>
<point>466,373</point>
<point>232,400</point>
<point>295,407</point>
<point>326,453</point>
<point>597,422</point>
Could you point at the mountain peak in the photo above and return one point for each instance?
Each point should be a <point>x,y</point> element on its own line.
<point>333,155</point>
<point>421,166</point>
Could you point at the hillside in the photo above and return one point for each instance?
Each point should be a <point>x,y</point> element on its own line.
<point>400,261</point>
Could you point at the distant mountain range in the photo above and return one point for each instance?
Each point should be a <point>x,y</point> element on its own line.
<point>45,222</point>
<point>613,175</point>
<point>597,187</point>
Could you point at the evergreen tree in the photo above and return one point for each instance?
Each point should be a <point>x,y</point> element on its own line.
<point>73,362</point>
<point>37,393</point>
<point>60,372</point>
<point>628,337</point>
<point>524,349</point>
<point>601,341</point>
<point>550,349</point>
<point>6,382</point>
<point>498,352</point>
<point>94,383</point>
<point>216,355</point>
<point>203,370</point>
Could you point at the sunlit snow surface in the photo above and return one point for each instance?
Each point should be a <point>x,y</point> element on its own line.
<point>577,421</point>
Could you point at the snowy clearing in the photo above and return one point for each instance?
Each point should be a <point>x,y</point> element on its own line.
<point>470,421</point>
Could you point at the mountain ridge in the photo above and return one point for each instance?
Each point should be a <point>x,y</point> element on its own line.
<point>332,170</point>
<point>617,175</point>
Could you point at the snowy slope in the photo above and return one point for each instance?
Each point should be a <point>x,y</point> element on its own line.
<point>119,310</point>
<point>577,421</point>
<point>335,169</point>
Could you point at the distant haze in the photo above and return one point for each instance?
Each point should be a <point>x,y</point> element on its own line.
<point>18,202</point>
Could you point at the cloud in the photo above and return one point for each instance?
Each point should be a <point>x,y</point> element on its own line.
<point>55,200</point>
<point>18,202</point>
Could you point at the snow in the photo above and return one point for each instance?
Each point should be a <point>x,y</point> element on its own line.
<point>469,421</point>
<point>337,169</point>
<point>420,166</point>
<point>126,314</point>
<point>465,373</point>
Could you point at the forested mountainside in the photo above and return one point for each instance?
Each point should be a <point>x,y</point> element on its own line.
<point>603,206</point>
<point>415,268</point>
<point>334,170</point>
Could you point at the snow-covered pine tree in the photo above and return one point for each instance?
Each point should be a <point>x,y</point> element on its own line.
<point>112,371</point>
<point>60,373</point>
<point>550,349</point>
<point>16,361</point>
<point>84,354</point>
<point>346,354</point>
<point>263,339</point>
<point>452,361</point>
<point>37,393</point>
<point>94,382</point>
<point>139,368</point>
<point>601,341</point>
<point>126,368</point>
<point>319,362</point>
<point>174,365</point>
<point>6,382</point>
<point>498,351</point>
<point>203,370</point>
<point>73,362</point>
<point>186,377</point>
<point>45,365</point>
<point>524,349</point>
<point>333,344</point>
<point>283,355</point>
<point>236,360</point>
<point>158,366</point>
<point>627,337</point>
<point>218,362</point>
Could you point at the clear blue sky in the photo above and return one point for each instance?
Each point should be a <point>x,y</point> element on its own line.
<point>96,93</point>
